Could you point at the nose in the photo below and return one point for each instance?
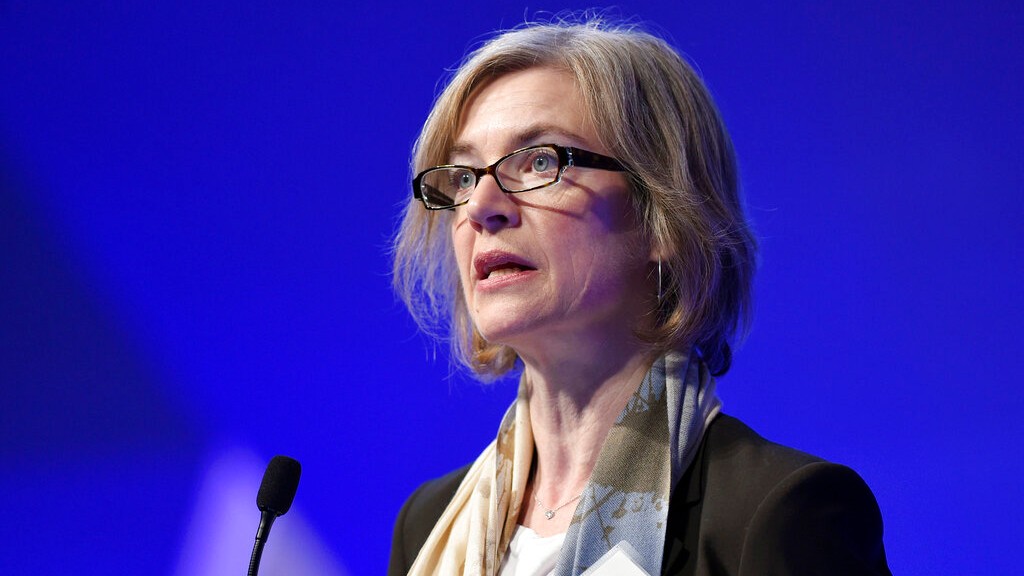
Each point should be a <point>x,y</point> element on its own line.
<point>491,209</point>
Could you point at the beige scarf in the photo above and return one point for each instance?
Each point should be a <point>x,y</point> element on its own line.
<point>671,407</point>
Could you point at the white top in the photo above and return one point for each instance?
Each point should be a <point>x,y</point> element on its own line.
<point>530,555</point>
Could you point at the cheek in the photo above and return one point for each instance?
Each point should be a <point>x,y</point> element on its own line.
<point>458,236</point>
<point>462,245</point>
<point>604,252</point>
<point>616,214</point>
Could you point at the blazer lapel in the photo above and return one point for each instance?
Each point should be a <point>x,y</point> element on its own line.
<point>681,534</point>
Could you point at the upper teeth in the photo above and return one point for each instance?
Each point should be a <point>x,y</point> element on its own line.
<point>502,271</point>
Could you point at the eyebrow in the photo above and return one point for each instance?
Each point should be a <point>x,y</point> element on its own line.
<point>529,136</point>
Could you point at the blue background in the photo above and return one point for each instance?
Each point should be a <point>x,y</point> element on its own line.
<point>195,211</point>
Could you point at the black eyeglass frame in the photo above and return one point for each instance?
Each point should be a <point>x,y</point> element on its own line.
<point>567,156</point>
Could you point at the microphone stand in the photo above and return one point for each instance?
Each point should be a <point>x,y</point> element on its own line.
<point>267,518</point>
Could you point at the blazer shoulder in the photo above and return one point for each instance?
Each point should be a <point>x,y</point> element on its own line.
<point>768,508</point>
<point>821,518</point>
<point>418,516</point>
<point>733,446</point>
<point>741,470</point>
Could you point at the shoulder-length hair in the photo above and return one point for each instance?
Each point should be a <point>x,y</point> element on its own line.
<point>654,114</point>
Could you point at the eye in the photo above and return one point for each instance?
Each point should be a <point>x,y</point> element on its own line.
<point>542,161</point>
<point>464,180</point>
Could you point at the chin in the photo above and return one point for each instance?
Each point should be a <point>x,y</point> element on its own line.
<point>497,334</point>
<point>501,328</point>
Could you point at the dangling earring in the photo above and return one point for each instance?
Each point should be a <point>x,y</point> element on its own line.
<point>659,280</point>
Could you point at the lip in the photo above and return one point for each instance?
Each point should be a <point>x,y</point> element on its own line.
<point>486,262</point>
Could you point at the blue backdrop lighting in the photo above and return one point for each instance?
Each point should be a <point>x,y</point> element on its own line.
<point>196,202</point>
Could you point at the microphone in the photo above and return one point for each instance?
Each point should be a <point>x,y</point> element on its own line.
<point>277,491</point>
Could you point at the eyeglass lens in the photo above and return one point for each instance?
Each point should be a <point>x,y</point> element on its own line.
<point>518,172</point>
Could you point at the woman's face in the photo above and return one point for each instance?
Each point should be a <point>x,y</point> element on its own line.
<point>548,269</point>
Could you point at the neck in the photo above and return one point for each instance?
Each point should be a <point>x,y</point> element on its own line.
<point>574,402</point>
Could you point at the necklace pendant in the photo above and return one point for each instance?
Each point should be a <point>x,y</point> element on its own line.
<point>550,514</point>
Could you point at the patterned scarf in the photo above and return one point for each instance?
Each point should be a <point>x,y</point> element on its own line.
<point>624,509</point>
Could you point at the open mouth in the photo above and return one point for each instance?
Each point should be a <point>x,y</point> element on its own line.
<point>504,270</point>
<point>493,265</point>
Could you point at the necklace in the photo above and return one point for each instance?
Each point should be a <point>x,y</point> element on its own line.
<point>550,512</point>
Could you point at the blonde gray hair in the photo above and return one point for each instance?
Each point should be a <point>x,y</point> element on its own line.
<point>654,114</point>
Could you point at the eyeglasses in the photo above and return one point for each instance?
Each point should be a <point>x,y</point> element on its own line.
<point>445,187</point>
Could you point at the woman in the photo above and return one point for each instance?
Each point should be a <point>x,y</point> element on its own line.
<point>576,215</point>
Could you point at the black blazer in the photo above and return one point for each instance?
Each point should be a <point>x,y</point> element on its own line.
<point>745,507</point>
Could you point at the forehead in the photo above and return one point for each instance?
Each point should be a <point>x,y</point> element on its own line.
<point>532,106</point>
